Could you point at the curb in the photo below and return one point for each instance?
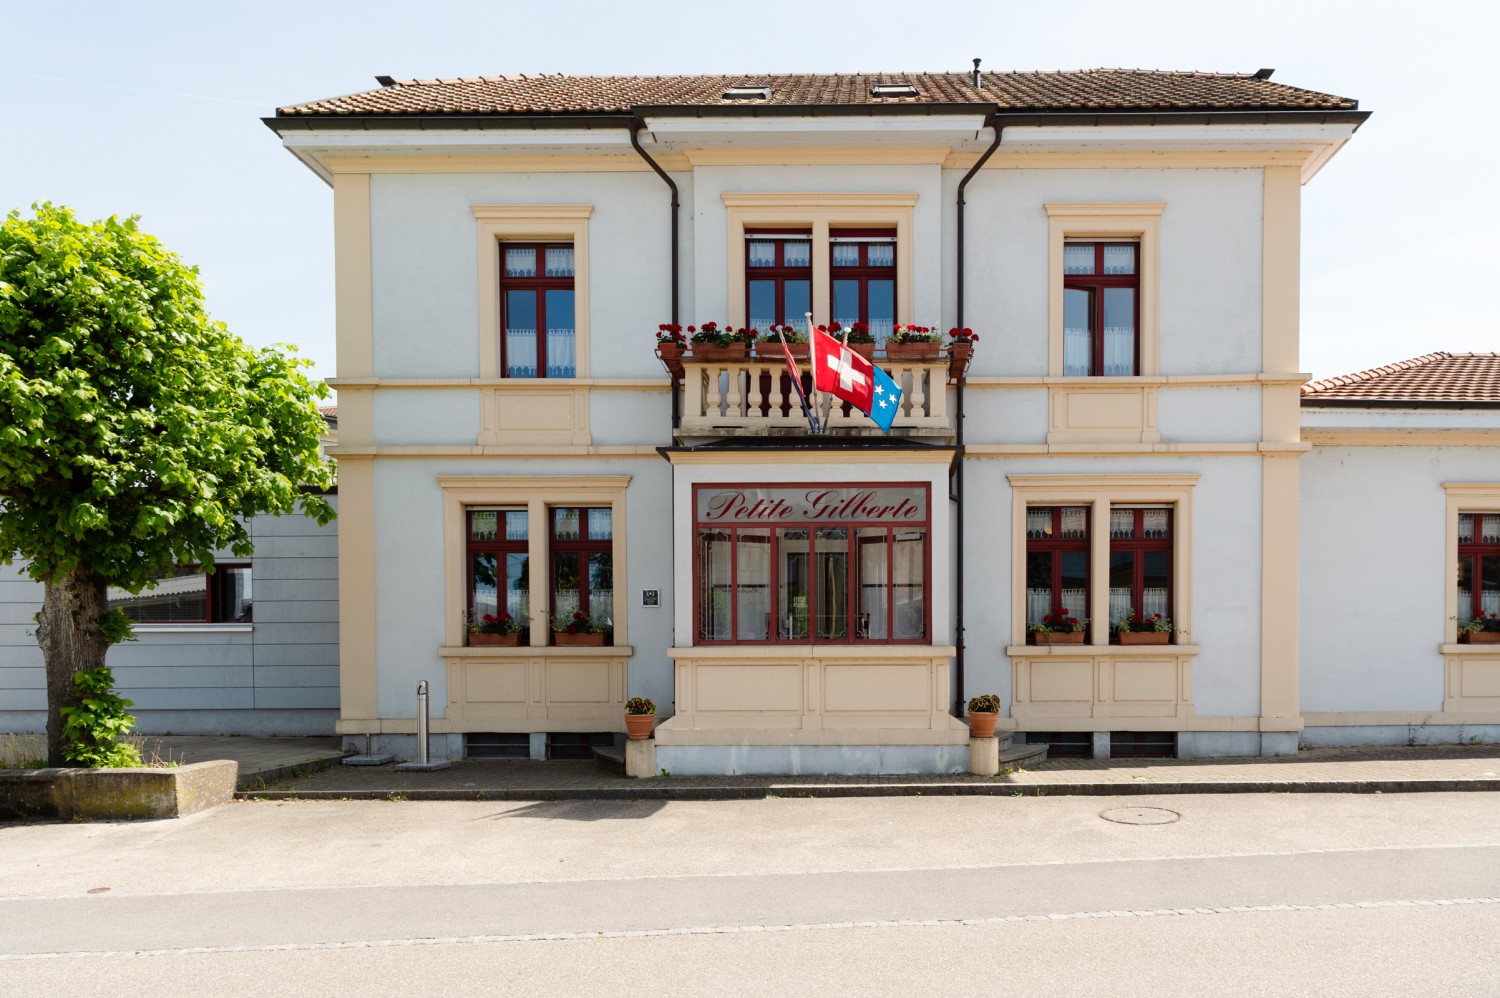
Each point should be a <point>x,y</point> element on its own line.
<point>289,771</point>
<point>761,791</point>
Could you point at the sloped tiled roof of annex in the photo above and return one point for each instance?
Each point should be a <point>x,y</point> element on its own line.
<point>1439,378</point>
<point>1099,90</point>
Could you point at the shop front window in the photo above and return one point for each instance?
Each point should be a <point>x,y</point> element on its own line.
<point>811,563</point>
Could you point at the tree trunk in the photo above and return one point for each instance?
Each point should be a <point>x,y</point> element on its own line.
<point>69,633</point>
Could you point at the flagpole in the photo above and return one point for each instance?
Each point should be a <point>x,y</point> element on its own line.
<point>796,376</point>
<point>812,353</point>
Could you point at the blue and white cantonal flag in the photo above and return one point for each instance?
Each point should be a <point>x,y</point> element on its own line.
<point>885,400</point>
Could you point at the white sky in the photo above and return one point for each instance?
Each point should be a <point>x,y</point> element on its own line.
<point>155,108</point>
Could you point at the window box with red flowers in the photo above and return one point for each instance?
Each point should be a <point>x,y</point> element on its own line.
<point>1144,629</point>
<point>960,349</point>
<point>1483,629</point>
<point>860,339</point>
<point>670,346</point>
<point>769,345</point>
<point>1060,628</point>
<point>711,342</point>
<point>496,630</point>
<point>913,343</point>
<point>576,630</point>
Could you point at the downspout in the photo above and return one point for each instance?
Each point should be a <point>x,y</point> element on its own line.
<point>958,483</point>
<point>636,142</point>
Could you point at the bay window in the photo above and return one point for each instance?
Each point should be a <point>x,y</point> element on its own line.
<point>537,310</point>
<point>1101,285</point>
<point>189,595</point>
<point>811,564</point>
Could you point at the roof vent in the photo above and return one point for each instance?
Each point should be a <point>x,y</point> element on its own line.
<point>893,90</point>
<point>748,91</point>
<point>976,73</point>
<point>1264,74</point>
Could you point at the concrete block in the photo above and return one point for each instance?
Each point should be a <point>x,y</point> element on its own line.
<point>1101,745</point>
<point>640,757</point>
<point>984,756</point>
<point>114,794</point>
<point>538,746</point>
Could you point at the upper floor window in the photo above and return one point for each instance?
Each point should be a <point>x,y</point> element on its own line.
<point>1101,309</point>
<point>778,277</point>
<point>537,310</point>
<point>864,278</point>
<point>1478,565</point>
<point>189,595</point>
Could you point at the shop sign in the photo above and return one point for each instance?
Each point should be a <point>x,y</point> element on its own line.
<point>813,504</point>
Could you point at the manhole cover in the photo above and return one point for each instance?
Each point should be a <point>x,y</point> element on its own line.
<point>1140,815</point>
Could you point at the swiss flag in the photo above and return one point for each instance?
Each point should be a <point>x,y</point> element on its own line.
<point>843,372</point>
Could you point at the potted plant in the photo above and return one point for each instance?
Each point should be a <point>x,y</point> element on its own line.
<point>1060,628</point>
<point>1481,630</point>
<point>500,630</point>
<point>576,630</point>
<point>670,344</point>
<point>711,342</point>
<point>960,349</point>
<point>861,340</point>
<point>984,711</point>
<point>769,344</point>
<point>640,715</point>
<point>913,343</point>
<point>1140,629</point>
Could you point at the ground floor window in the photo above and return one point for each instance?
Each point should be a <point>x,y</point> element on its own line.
<point>1140,563</point>
<point>811,563</point>
<point>1478,565</point>
<point>189,595</point>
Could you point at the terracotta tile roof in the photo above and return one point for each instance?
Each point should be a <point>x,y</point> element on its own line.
<point>1103,90</point>
<point>1437,378</point>
<point>329,411</point>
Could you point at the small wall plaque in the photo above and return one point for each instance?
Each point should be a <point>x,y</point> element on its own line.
<point>650,597</point>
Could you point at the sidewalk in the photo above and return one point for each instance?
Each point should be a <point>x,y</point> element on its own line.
<point>1381,769</point>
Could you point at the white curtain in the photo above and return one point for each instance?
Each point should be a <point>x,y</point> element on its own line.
<point>1075,352</point>
<point>1119,350</point>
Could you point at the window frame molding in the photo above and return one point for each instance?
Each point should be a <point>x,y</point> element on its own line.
<point>1107,222</point>
<point>1099,493</point>
<point>496,224</point>
<point>822,212</point>
<point>1465,497</point>
<point>537,495</point>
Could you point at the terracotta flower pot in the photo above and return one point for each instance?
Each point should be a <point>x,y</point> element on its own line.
<point>496,640</point>
<point>982,723</point>
<point>1057,637</point>
<point>710,352</point>
<point>913,351</point>
<point>582,639</point>
<point>865,350</point>
<point>638,726</point>
<point>1145,637</point>
<point>669,349</point>
<point>959,352</point>
<point>1479,637</point>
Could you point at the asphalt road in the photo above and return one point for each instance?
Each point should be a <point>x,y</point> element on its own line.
<point>1235,894</point>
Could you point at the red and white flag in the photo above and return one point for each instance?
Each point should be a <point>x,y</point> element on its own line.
<point>841,371</point>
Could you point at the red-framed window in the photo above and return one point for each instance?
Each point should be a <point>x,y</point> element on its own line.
<point>189,595</point>
<point>1101,308</point>
<point>1478,564</point>
<point>778,277</point>
<point>536,310</point>
<point>1140,562</point>
<point>499,563</point>
<point>1057,562</point>
<point>811,563</point>
<point>863,278</point>
<point>582,549</point>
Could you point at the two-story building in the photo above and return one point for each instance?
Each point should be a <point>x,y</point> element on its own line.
<point>1125,439</point>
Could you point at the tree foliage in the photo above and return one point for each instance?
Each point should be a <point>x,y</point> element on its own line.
<point>136,433</point>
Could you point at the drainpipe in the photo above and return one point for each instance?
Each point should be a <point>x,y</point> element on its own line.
<point>958,483</point>
<point>636,142</point>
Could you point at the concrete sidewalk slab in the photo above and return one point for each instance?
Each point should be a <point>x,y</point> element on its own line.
<point>1359,770</point>
<point>261,760</point>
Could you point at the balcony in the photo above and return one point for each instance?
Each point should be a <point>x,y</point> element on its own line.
<point>753,396</point>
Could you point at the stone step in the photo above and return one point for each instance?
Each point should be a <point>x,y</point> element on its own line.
<point>1017,756</point>
<point>611,758</point>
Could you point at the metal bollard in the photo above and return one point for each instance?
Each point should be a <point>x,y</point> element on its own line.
<point>422,723</point>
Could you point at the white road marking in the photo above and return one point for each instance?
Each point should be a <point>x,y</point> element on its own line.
<point>730,874</point>
<point>721,930</point>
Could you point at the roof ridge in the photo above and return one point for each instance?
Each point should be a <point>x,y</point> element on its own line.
<point>1340,381</point>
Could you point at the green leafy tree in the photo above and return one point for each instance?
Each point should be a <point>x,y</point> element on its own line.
<point>136,433</point>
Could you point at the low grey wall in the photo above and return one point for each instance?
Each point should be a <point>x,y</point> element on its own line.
<point>113,794</point>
